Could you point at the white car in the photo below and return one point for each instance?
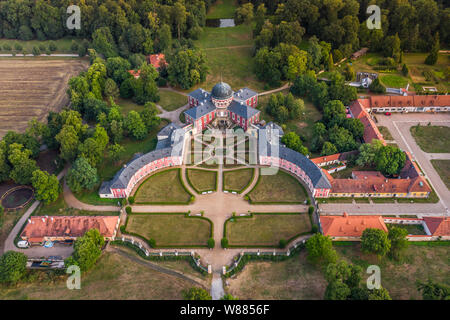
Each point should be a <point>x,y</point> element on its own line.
<point>23,244</point>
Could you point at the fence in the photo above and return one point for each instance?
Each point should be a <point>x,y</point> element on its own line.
<point>162,255</point>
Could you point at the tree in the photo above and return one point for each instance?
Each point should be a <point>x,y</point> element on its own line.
<point>342,139</point>
<point>179,16</point>
<point>432,290</point>
<point>114,152</point>
<point>81,176</point>
<point>135,126</point>
<point>320,249</point>
<point>22,166</point>
<point>375,241</point>
<point>211,243</point>
<point>149,116</point>
<point>390,160</point>
<point>296,65</point>
<point>103,42</point>
<point>293,141</point>
<point>399,242</point>
<point>4,166</point>
<point>111,89</point>
<point>36,51</point>
<point>12,267</point>
<point>377,87</point>
<point>355,126</point>
<point>164,37</point>
<point>328,148</point>
<point>405,70</point>
<point>196,294</point>
<point>432,58</point>
<point>244,14</point>
<point>46,186</point>
<point>229,297</point>
<point>368,152</point>
<point>349,72</point>
<point>334,113</point>
<point>87,249</point>
<point>379,294</point>
<point>186,68</point>
<point>337,290</point>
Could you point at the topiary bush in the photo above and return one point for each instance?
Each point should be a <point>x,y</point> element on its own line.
<point>224,243</point>
<point>128,210</point>
<point>122,228</point>
<point>282,244</point>
<point>311,210</point>
<point>152,243</point>
<point>211,243</point>
<point>131,200</point>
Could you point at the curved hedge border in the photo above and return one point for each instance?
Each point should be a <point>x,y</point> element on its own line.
<point>192,185</point>
<point>264,246</point>
<point>186,215</point>
<point>192,198</point>
<point>141,253</point>
<point>262,257</point>
<point>246,186</point>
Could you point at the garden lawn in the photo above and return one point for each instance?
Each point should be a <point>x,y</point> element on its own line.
<point>170,230</point>
<point>443,169</point>
<point>240,35</point>
<point>394,81</point>
<point>278,188</point>
<point>60,208</point>
<point>385,132</point>
<point>171,100</point>
<point>399,278</point>
<point>113,277</point>
<point>163,187</point>
<point>432,139</point>
<point>413,229</point>
<point>202,180</point>
<point>222,9</point>
<point>266,229</point>
<point>237,180</point>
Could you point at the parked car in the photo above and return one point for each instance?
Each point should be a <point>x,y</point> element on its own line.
<point>23,244</point>
<point>387,113</point>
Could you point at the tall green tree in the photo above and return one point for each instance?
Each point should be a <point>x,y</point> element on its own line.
<point>375,241</point>
<point>12,266</point>
<point>81,176</point>
<point>46,186</point>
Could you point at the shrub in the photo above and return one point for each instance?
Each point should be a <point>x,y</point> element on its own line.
<point>6,47</point>
<point>123,201</point>
<point>74,46</point>
<point>311,210</point>
<point>152,243</point>
<point>162,82</point>
<point>18,47</point>
<point>224,243</point>
<point>131,200</point>
<point>314,228</point>
<point>122,228</point>
<point>211,243</point>
<point>36,51</point>
<point>42,47</point>
<point>128,210</point>
<point>52,46</point>
<point>282,243</point>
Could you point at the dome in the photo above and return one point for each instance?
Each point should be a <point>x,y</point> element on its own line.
<point>222,91</point>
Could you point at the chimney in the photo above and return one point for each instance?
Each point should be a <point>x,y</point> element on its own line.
<point>29,220</point>
<point>43,219</point>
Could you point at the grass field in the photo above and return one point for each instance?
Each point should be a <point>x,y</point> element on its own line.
<point>237,180</point>
<point>202,180</point>
<point>385,132</point>
<point>163,187</point>
<point>170,229</point>
<point>394,81</point>
<point>112,278</point>
<point>413,229</point>
<point>432,139</point>
<point>399,278</point>
<point>281,187</point>
<point>171,100</point>
<point>63,45</point>
<point>30,88</point>
<point>266,229</point>
<point>60,208</point>
<point>443,169</point>
<point>292,279</point>
<point>126,105</point>
<point>240,35</point>
<point>222,9</point>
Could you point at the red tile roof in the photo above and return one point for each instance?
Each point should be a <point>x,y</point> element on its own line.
<point>438,226</point>
<point>332,157</point>
<point>409,101</point>
<point>135,74</point>
<point>371,131</point>
<point>350,225</point>
<point>157,60</point>
<point>68,226</point>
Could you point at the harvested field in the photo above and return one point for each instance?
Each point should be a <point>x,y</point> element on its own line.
<point>32,87</point>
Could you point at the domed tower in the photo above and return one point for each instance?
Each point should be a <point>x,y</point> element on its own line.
<point>222,95</point>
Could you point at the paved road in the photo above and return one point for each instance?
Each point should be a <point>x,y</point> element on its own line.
<point>399,127</point>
